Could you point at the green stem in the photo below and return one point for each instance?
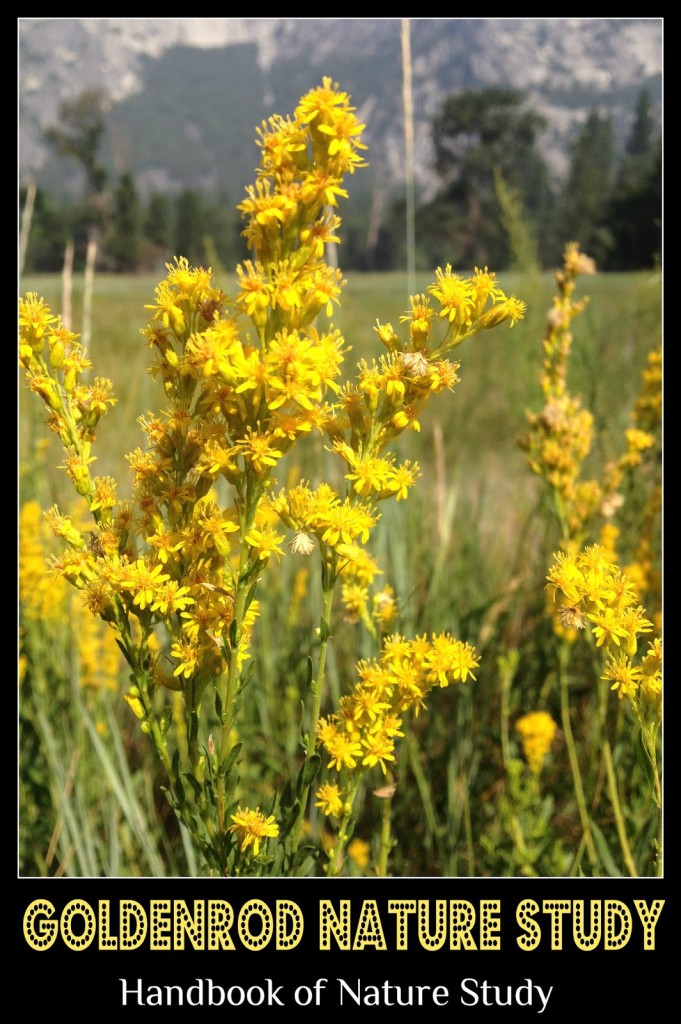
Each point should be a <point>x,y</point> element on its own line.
<point>563,660</point>
<point>652,753</point>
<point>154,730</point>
<point>425,793</point>
<point>519,842</point>
<point>611,777</point>
<point>386,833</point>
<point>336,859</point>
<point>229,685</point>
<point>228,693</point>
<point>468,823</point>
<point>506,678</point>
<point>617,809</point>
<point>317,688</point>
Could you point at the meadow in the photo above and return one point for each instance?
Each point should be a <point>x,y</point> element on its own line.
<point>467,553</point>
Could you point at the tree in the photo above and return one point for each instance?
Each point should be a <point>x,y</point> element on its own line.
<point>158,225</point>
<point>49,231</point>
<point>642,136</point>
<point>477,134</point>
<point>636,208</point>
<point>79,134</point>
<point>583,213</point>
<point>189,227</point>
<point>126,226</point>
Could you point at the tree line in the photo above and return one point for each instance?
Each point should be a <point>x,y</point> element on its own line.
<point>495,204</point>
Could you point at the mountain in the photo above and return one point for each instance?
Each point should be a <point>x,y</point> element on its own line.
<point>185,94</point>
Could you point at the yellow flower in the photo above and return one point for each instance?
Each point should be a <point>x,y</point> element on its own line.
<point>450,659</point>
<point>359,852</point>
<point>385,607</point>
<point>512,309</point>
<point>171,598</point>
<point>188,654</point>
<point>266,542</point>
<point>624,676</point>
<point>105,493</point>
<point>380,748</point>
<point>537,730</point>
<point>330,799</point>
<point>35,321</point>
<point>344,751</point>
<point>258,450</point>
<point>252,827</point>
<point>608,628</point>
<point>144,581</point>
<point>455,298</point>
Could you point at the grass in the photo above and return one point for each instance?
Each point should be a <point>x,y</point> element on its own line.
<point>479,425</point>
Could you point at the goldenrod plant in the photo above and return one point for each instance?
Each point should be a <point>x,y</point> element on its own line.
<point>589,594</point>
<point>176,563</point>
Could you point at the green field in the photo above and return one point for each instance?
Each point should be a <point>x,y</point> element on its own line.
<point>467,553</point>
<point>480,422</point>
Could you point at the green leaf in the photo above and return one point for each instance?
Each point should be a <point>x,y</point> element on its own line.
<point>309,772</point>
<point>218,705</point>
<point>247,678</point>
<point>194,783</point>
<point>304,860</point>
<point>290,819</point>
<point>250,595</point>
<point>604,852</point>
<point>124,652</point>
<point>228,763</point>
<point>171,799</point>
<point>324,631</point>
<point>286,796</point>
<point>644,758</point>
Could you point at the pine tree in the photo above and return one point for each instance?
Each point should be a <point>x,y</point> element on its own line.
<point>584,207</point>
<point>636,207</point>
<point>189,227</point>
<point>158,223</point>
<point>126,226</point>
<point>78,134</point>
<point>478,134</point>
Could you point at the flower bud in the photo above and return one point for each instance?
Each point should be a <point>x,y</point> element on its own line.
<point>135,705</point>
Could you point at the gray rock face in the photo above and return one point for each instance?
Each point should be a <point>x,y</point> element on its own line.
<point>193,83</point>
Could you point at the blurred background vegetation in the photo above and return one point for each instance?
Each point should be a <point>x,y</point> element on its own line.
<point>496,203</point>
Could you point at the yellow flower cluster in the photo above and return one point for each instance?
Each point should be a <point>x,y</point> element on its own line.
<point>390,394</point>
<point>362,732</point>
<point>594,591</point>
<point>46,603</point>
<point>55,376</point>
<point>643,457</point>
<point>537,731</point>
<point>560,436</point>
<point>321,514</point>
<point>647,414</point>
<point>41,597</point>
